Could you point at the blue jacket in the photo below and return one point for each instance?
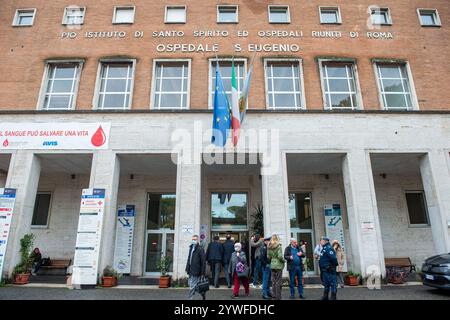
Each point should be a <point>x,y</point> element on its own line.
<point>228,249</point>
<point>328,261</point>
<point>214,253</point>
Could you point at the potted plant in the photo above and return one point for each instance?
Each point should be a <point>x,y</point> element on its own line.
<point>110,276</point>
<point>352,278</point>
<point>22,271</point>
<point>163,265</point>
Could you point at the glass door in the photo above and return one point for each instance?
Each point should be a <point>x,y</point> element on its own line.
<point>301,218</point>
<point>160,232</point>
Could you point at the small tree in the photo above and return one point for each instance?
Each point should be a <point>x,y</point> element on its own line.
<point>26,261</point>
<point>163,264</point>
<point>258,219</point>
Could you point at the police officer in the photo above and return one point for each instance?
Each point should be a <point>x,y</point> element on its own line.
<point>327,264</point>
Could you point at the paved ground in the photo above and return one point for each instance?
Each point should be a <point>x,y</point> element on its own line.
<point>416,292</point>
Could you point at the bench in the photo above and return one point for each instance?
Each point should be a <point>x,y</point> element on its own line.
<point>57,266</point>
<point>398,269</point>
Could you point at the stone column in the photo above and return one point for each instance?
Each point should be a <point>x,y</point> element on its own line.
<point>275,195</point>
<point>436,183</point>
<point>105,174</point>
<point>187,213</point>
<point>23,175</point>
<point>362,210</point>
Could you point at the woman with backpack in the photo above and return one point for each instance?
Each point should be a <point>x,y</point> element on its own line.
<point>239,270</point>
<point>275,254</point>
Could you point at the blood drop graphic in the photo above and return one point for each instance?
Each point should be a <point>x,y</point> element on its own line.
<point>6,143</point>
<point>99,137</point>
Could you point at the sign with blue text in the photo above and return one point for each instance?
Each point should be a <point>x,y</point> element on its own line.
<point>87,247</point>
<point>7,201</point>
<point>335,229</point>
<point>124,238</point>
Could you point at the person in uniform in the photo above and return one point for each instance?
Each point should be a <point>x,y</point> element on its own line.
<point>328,263</point>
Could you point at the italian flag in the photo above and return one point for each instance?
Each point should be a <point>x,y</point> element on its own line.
<point>236,117</point>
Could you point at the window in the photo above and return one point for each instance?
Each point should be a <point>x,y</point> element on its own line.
<point>175,14</point>
<point>284,84</point>
<point>161,211</point>
<point>279,14</point>
<point>115,85</point>
<point>339,85</point>
<point>41,209</point>
<point>73,15</point>
<point>60,85</point>
<point>380,16</point>
<point>229,211</point>
<point>395,88</point>
<point>225,72</point>
<point>330,15</point>
<point>417,208</point>
<point>123,15</point>
<point>171,84</point>
<point>429,18</point>
<point>227,14</point>
<point>24,17</point>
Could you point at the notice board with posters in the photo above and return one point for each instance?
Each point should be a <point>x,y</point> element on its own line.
<point>87,248</point>
<point>335,228</point>
<point>124,238</point>
<point>7,201</point>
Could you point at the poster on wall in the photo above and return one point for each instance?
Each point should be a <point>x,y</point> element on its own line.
<point>7,201</point>
<point>54,136</point>
<point>87,248</point>
<point>334,227</point>
<point>203,234</point>
<point>124,238</point>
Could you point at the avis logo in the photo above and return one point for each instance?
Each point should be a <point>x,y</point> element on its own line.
<point>50,143</point>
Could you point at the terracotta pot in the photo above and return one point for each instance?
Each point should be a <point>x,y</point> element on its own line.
<point>352,280</point>
<point>164,281</point>
<point>21,278</point>
<point>109,282</point>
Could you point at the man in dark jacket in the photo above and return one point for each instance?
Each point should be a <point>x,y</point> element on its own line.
<point>195,267</point>
<point>265,266</point>
<point>294,255</point>
<point>214,256</point>
<point>328,263</point>
<point>228,249</point>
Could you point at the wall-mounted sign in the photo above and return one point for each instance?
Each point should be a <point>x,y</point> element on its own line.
<point>335,229</point>
<point>124,238</point>
<point>54,136</point>
<point>367,226</point>
<point>87,247</point>
<point>7,201</point>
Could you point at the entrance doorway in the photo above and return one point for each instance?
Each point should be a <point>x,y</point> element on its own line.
<point>160,231</point>
<point>301,218</point>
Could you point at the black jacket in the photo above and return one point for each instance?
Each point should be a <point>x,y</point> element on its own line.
<point>197,266</point>
<point>263,256</point>
<point>214,252</point>
<point>287,256</point>
<point>228,249</point>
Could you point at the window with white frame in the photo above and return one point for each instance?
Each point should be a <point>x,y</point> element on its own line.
<point>340,85</point>
<point>74,15</point>
<point>429,18</point>
<point>395,87</point>
<point>279,14</point>
<point>171,84</point>
<point>330,15</point>
<point>60,85</point>
<point>41,210</point>
<point>380,16</point>
<point>115,86</point>
<point>225,67</point>
<point>417,208</point>
<point>175,14</point>
<point>24,17</point>
<point>227,14</point>
<point>123,15</point>
<point>284,84</point>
